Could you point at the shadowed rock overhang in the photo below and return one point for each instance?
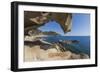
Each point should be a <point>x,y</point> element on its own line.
<point>33,20</point>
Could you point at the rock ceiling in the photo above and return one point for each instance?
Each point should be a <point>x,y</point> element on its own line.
<point>37,19</point>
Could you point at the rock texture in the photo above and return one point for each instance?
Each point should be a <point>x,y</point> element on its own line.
<point>37,19</point>
<point>35,53</point>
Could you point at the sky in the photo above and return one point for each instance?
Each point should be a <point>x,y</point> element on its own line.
<point>80,26</point>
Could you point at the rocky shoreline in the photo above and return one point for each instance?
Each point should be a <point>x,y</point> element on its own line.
<point>35,53</point>
<point>40,50</point>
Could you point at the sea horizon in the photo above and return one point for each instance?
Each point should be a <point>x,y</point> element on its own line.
<point>83,45</point>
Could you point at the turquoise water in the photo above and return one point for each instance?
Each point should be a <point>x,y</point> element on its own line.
<point>82,47</point>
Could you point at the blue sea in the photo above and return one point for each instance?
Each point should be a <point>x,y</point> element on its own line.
<point>82,47</point>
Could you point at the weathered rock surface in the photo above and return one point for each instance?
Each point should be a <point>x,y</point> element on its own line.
<point>35,53</point>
